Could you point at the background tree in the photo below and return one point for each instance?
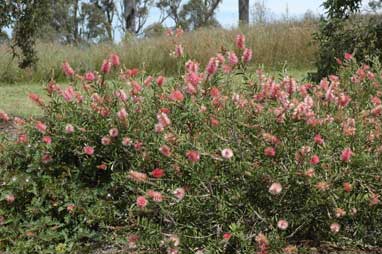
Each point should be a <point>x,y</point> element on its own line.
<point>134,15</point>
<point>333,38</point>
<point>199,13</point>
<point>244,12</point>
<point>26,16</point>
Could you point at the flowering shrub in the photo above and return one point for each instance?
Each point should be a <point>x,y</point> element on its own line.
<point>215,160</point>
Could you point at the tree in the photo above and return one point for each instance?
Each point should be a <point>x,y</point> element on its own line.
<point>134,15</point>
<point>244,12</point>
<point>332,37</point>
<point>259,12</point>
<point>27,16</point>
<point>199,13</point>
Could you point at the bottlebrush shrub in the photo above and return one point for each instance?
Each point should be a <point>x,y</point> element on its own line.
<point>213,161</point>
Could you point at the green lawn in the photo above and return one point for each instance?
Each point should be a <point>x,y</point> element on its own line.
<point>14,98</point>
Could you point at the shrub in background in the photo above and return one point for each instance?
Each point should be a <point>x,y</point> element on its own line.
<point>215,160</point>
<point>345,31</point>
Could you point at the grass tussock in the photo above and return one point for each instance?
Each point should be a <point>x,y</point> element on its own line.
<point>273,45</point>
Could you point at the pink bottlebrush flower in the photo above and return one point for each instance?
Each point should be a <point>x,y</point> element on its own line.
<point>22,138</point>
<point>158,173</point>
<point>160,81</point>
<point>163,119</point>
<point>89,150</point>
<point>282,224</point>
<point>158,128</point>
<point>275,188</point>
<point>41,127</point>
<point>227,153</point>
<point>137,176</point>
<point>193,156</point>
<point>46,158</point>
<point>376,101</point>
<point>4,116</point>
<point>214,92</point>
<point>137,88</point>
<point>179,193</point>
<point>47,140</point>
<point>335,228</point>
<point>340,212</point>
<point>155,195</point>
<point>120,94</point>
<point>227,236</point>
<point>138,145</point>
<point>318,139</point>
<point>114,60</point>
<point>10,198</point>
<point>193,79</point>
<point>233,60</point>
<point>69,128</point>
<point>247,55</point>
<point>374,199</point>
<point>165,150</point>
<point>270,152</point>
<point>343,100</point>
<point>192,66</point>
<point>70,208</point>
<point>240,41</point>
<point>18,121</point>
<point>227,68</point>
<point>214,122</point>
<point>67,69</point>
<point>176,96</point>
<point>346,155</point>
<point>148,81</point>
<point>102,167</point>
<point>122,114</point>
<point>322,186</point>
<point>347,187</point>
<point>220,58</point>
<point>179,50</point>
<point>310,172</point>
<point>212,66</point>
<point>348,56</point>
<point>126,141</point>
<point>89,76</point>
<point>36,99</point>
<point>141,202</point>
<point>113,132</point>
<point>69,94</point>
<point>106,140</point>
<point>315,160</point>
<point>376,111</point>
<point>106,66</point>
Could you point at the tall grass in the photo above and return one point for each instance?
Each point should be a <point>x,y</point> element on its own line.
<point>273,45</point>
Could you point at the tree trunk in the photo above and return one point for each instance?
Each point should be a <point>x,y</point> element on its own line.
<point>244,12</point>
<point>130,9</point>
<point>75,21</point>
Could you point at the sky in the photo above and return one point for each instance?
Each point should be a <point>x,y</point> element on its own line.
<point>227,13</point>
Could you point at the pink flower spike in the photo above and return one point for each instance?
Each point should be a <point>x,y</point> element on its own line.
<point>89,150</point>
<point>348,56</point>
<point>346,155</point>
<point>141,202</point>
<point>275,188</point>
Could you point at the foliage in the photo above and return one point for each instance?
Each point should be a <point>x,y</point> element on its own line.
<point>342,31</point>
<point>214,160</point>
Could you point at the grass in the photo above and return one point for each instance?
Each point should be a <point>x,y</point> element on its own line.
<point>272,44</point>
<point>14,97</point>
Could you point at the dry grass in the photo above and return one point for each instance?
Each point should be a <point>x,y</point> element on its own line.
<point>273,45</point>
